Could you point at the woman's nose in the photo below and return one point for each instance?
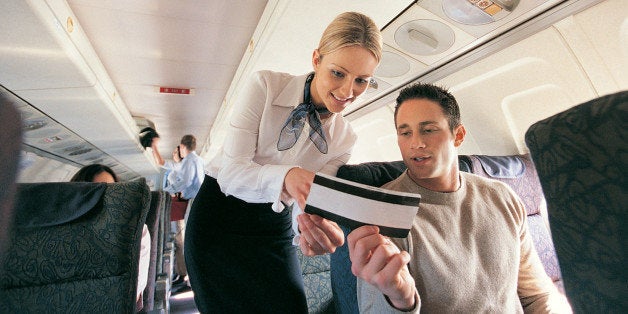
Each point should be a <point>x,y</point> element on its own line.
<point>346,89</point>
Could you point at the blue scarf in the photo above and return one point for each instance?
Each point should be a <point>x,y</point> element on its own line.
<point>293,127</point>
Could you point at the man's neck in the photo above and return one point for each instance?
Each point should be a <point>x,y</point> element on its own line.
<point>445,184</point>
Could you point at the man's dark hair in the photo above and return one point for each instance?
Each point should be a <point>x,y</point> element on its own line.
<point>87,173</point>
<point>189,141</point>
<point>437,94</point>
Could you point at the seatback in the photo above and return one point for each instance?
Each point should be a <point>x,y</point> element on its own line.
<point>11,139</point>
<point>343,281</point>
<point>317,283</point>
<point>164,256</point>
<point>581,156</point>
<point>519,173</point>
<point>76,248</point>
<point>153,223</point>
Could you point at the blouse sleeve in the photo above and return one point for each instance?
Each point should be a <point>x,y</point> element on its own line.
<point>239,174</point>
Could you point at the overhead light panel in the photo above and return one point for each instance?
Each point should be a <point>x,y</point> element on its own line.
<point>392,65</point>
<point>478,12</point>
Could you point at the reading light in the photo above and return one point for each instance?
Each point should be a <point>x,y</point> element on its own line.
<point>424,37</point>
<point>392,65</point>
<point>478,12</point>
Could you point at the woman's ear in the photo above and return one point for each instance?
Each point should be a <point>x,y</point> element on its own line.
<point>316,59</point>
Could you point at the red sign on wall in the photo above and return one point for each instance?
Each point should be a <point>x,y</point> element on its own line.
<point>175,90</point>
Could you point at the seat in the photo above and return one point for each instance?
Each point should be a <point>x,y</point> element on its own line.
<point>153,223</point>
<point>11,139</point>
<point>581,156</point>
<point>316,280</point>
<point>519,173</point>
<point>165,255</point>
<point>76,248</point>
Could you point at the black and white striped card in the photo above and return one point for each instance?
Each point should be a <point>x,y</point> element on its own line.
<point>353,205</point>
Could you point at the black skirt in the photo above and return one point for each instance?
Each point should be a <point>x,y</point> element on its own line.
<point>240,257</point>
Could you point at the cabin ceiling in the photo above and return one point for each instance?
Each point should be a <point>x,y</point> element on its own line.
<point>107,59</point>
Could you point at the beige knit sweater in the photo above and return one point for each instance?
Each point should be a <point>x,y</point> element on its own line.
<point>470,253</point>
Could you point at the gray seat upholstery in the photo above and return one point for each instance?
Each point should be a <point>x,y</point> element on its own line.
<point>164,256</point>
<point>153,223</point>
<point>11,139</point>
<point>316,280</point>
<point>75,248</point>
<point>581,156</point>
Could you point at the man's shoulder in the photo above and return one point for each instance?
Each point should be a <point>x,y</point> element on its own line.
<point>398,184</point>
<point>477,182</point>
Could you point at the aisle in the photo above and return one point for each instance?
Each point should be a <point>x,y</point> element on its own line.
<point>183,303</point>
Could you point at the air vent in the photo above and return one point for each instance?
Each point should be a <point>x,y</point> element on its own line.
<point>424,37</point>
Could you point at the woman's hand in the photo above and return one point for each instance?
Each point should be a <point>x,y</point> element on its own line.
<point>378,261</point>
<point>318,235</point>
<point>297,183</point>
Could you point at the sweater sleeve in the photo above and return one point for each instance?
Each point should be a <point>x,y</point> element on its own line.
<point>535,289</point>
<point>371,300</point>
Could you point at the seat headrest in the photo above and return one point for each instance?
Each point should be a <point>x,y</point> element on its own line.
<point>503,167</point>
<point>50,204</point>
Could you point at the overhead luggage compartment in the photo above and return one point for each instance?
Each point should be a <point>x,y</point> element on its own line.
<point>48,61</point>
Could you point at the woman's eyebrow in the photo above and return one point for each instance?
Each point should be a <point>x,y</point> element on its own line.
<point>346,70</point>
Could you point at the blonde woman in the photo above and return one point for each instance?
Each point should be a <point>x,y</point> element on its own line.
<point>239,242</point>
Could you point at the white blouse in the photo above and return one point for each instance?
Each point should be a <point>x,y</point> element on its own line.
<point>249,166</point>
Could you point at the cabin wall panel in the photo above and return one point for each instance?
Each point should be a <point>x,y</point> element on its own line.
<point>599,39</point>
<point>483,88</point>
<point>33,169</point>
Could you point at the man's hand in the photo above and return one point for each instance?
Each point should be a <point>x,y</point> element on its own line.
<point>318,235</point>
<point>175,155</point>
<point>378,261</point>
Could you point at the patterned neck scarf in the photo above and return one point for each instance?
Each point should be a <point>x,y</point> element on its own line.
<point>293,127</point>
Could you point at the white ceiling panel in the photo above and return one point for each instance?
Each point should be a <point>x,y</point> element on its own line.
<point>184,44</point>
<point>416,12</point>
<point>37,59</point>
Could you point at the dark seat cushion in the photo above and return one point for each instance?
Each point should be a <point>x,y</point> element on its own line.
<point>46,205</point>
<point>84,265</point>
<point>581,156</point>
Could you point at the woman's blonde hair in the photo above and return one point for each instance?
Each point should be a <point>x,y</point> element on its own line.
<point>351,29</point>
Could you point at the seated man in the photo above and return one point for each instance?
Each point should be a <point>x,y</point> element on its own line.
<point>469,249</point>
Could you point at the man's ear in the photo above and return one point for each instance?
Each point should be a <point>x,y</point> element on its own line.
<point>459,133</point>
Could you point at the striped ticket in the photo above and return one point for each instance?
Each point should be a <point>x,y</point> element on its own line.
<point>353,205</point>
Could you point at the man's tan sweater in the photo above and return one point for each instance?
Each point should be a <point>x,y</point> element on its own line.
<point>470,253</point>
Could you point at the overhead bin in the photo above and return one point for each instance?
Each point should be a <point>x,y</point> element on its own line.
<point>49,62</point>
